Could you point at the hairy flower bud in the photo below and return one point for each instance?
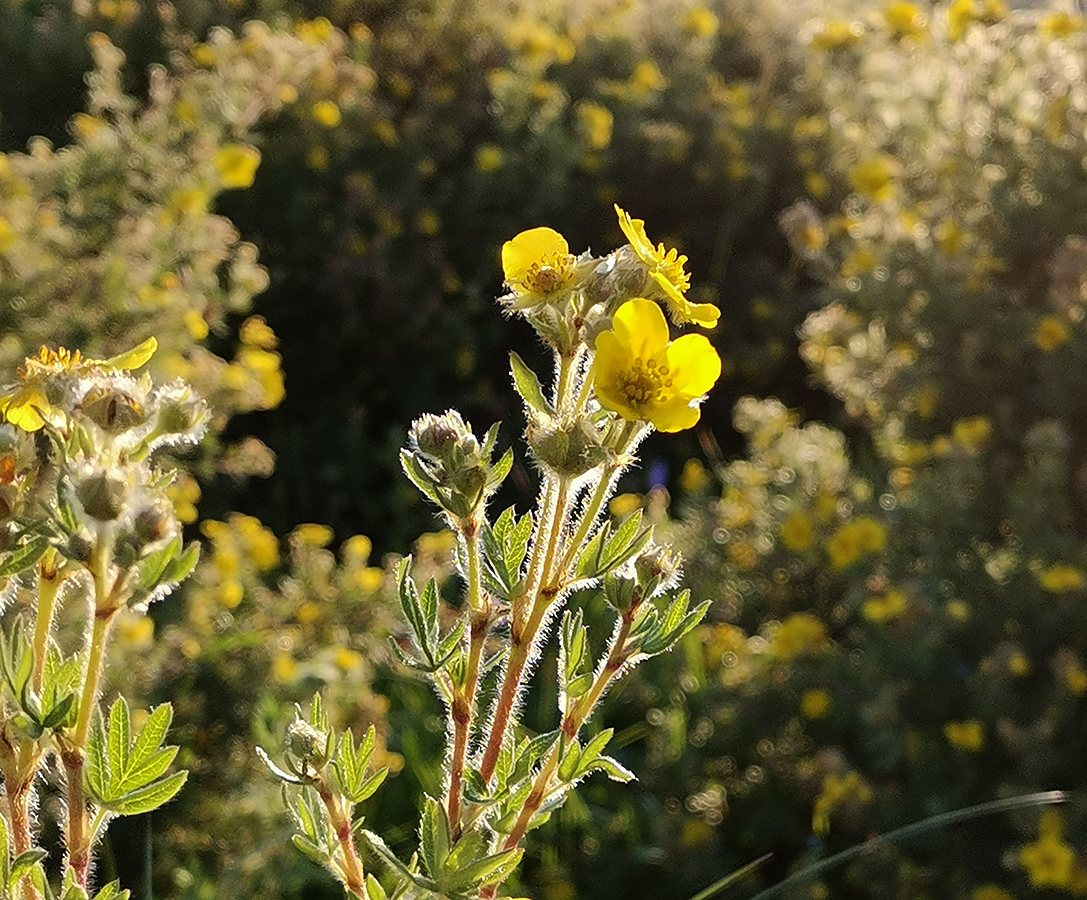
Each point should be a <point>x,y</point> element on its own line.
<point>656,569</point>
<point>568,449</point>
<point>102,496</point>
<point>305,743</point>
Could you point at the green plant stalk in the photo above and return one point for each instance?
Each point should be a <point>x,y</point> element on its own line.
<point>19,768</point>
<point>576,716</point>
<point>49,582</point>
<point>464,696</point>
<point>541,590</point>
<point>351,867</point>
<point>74,754</point>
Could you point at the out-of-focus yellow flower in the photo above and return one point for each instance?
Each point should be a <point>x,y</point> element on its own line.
<point>203,55</point>
<point>317,158</point>
<point>348,659</point>
<point>326,113</point>
<point>135,630</point>
<point>1019,664</point>
<point>308,613</point>
<point>972,432</point>
<point>797,533</point>
<point>815,704</point>
<point>184,494</point>
<point>990,892</point>
<point>255,332</point>
<point>624,504</point>
<point>1051,333</point>
<point>886,608</point>
<point>837,34</point>
<point>799,633</point>
<point>231,593</point>
<point>838,789</point>
<point>369,579</point>
<point>284,668</point>
<point>968,735</point>
<point>958,610</point>
<point>666,268</point>
<point>962,13</point>
<point>642,376</point>
<point>538,265</point>
<point>489,157</point>
<point>1049,861</point>
<point>595,124</point>
<point>904,20</point>
<point>647,78</point>
<point>1060,25</point>
<point>700,21</point>
<point>874,177</point>
<point>356,550</point>
<point>694,476</point>
<point>237,165</point>
<point>855,539</point>
<point>313,535</point>
<point>1062,579</point>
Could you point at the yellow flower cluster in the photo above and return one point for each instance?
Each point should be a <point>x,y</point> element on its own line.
<point>854,540</point>
<point>838,790</point>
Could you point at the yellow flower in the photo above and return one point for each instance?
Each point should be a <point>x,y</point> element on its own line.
<point>797,533</point>
<point>28,407</point>
<point>642,376</point>
<point>666,269</point>
<point>968,735</point>
<point>538,265</point>
<point>489,157</point>
<point>835,35</point>
<point>1061,25</point>
<point>815,704</point>
<point>647,78</point>
<point>326,113</point>
<point>904,19</point>
<point>237,165</point>
<point>874,178</point>
<point>313,535</point>
<point>799,633</point>
<point>1049,861</point>
<point>1051,334</point>
<point>855,539</point>
<point>883,609</point>
<point>595,123</point>
<point>1061,579</point>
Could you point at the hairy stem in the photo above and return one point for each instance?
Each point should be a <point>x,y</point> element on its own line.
<point>464,697</point>
<point>540,593</point>
<point>351,867</point>
<point>49,582</point>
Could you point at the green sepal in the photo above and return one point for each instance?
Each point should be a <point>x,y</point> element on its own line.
<point>528,386</point>
<point>23,557</point>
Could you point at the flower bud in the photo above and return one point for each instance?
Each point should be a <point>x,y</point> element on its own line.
<point>103,497</point>
<point>571,449</point>
<point>112,410</point>
<point>656,569</point>
<point>306,743</point>
<point>437,436</point>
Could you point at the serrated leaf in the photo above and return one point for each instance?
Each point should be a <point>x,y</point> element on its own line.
<point>58,714</point>
<point>179,568</point>
<point>366,790</point>
<point>596,746</point>
<point>471,846</point>
<point>23,557</point>
<point>154,565</point>
<point>112,891</point>
<point>489,870</point>
<point>381,850</point>
<point>528,386</point>
<point>153,732</point>
<point>117,743</point>
<point>147,770</point>
<point>498,472</point>
<point>435,837</point>
<point>150,797</point>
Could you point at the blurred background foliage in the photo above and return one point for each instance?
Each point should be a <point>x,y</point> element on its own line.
<point>886,498</point>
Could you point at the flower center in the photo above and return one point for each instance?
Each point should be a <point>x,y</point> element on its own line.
<point>550,274</point>
<point>644,383</point>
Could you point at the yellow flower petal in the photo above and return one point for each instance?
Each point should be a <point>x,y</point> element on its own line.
<point>529,248</point>
<point>132,359</point>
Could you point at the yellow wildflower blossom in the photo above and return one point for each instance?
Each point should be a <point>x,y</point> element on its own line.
<point>1061,579</point>
<point>797,533</point>
<point>904,19</point>
<point>968,735</point>
<point>642,376</point>
<point>489,157</point>
<point>237,165</point>
<point>1051,333</point>
<point>313,535</point>
<point>855,539</point>
<point>538,265</point>
<point>838,790</point>
<point>666,269</point>
<point>647,78</point>
<point>1049,861</point>
<point>326,113</point>
<point>815,704</point>
<point>874,177</point>
<point>28,407</point>
<point>835,35</point>
<point>1061,25</point>
<point>886,608</point>
<point>800,633</point>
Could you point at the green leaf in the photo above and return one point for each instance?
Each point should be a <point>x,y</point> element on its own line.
<point>380,849</point>
<point>614,770</point>
<point>490,870</point>
<point>117,744</point>
<point>153,732</point>
<point>112,891</point>
<point>23,557</point>
<point>374,889</point>
<point>365,790</point>
<point>23,863</point>
<point>96,769</point>
<point>276,770</point>
<point>498,472</point>
<point>147,770</point>
<point>596,746</point>
<point>435,838</point>
<point>309,848</point>
<point>568,765</point>
<point>528,386</point>
<point>150,797</point>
